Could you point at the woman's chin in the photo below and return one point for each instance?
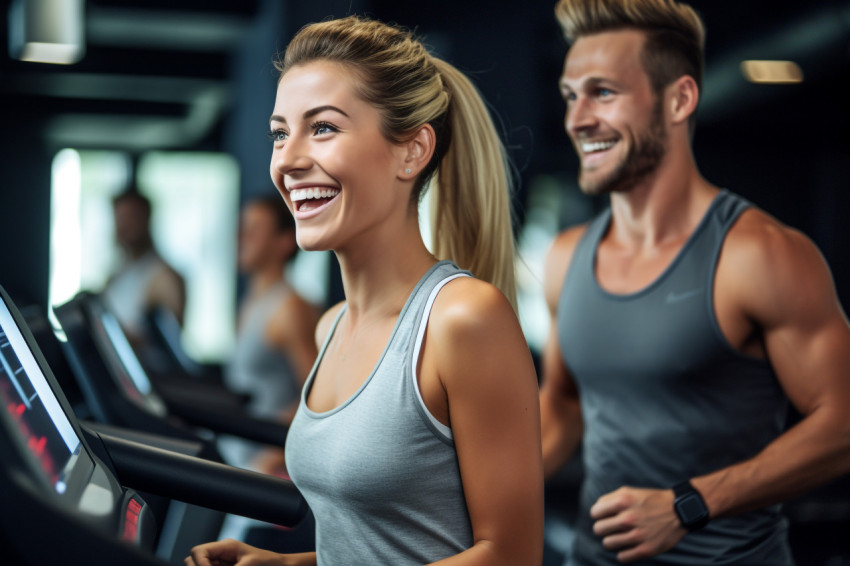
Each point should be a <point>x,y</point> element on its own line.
<point>309,243</point>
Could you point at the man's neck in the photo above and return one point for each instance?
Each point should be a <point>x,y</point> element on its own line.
<point>135,253</point>
<point>667,206</point>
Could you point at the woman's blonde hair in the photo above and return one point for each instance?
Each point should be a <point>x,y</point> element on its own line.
<point>471,214</point>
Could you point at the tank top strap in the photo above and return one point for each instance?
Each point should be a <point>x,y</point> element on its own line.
<point>417,347</point>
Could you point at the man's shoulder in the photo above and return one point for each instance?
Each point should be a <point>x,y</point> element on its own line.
<point>756,235</point>
<point>558,260</point>
<point>765,258</point>
<point>568,239</point>
<point>164,274</point>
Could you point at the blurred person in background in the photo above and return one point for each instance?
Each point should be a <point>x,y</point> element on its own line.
<point>275,349</point>
<point>275,334</point>
<point>144,280</point>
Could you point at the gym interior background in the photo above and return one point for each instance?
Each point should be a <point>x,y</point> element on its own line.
<point>175,95</point>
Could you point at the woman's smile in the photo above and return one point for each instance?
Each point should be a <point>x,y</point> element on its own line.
<point>311,199</point>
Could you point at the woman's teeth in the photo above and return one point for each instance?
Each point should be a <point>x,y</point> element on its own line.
<point>304,194</point>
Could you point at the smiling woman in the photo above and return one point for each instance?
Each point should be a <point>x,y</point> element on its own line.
<point>417,436</point>
<point>331,162</point>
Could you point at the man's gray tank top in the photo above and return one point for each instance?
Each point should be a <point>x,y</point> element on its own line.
<point>379,472</point>
<point>665,397</point>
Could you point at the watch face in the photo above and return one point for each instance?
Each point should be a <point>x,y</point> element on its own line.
<point>691,508</point>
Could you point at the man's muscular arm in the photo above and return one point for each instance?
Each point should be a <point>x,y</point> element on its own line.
<point>792,299</point>
<point>778,280</point>
<point>560,412</point>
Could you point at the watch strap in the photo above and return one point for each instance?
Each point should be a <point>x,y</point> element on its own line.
<point>684,487</point>
<point>686,491</point>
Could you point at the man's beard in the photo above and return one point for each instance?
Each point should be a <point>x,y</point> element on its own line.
<point>642,160</point>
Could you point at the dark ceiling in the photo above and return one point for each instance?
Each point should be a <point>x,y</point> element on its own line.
<point>166,65</point>
<point>197,75</point>
<point>154,74</point>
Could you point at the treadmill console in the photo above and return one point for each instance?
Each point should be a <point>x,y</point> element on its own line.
<point>51,450</point>
<point>108,370</point>
<point>31,407</point>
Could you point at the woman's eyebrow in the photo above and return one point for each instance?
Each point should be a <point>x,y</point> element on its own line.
<point>309,113</point>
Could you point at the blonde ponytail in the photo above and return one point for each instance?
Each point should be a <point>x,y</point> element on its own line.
<point>471,200</point>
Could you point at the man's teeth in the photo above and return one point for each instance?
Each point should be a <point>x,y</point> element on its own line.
<point>589,147</point>
<point>305,194</point>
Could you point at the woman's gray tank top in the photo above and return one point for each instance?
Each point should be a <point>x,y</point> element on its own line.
<point>379,472</point>
<point>665,397</point>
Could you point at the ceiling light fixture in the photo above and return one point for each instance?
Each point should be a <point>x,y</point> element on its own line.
<point>47,31</point>
<point>772,72</point>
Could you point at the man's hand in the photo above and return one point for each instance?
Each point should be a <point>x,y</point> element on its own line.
<point>638,523</point>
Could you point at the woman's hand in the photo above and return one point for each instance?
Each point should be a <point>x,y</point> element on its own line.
<point>231,552</point>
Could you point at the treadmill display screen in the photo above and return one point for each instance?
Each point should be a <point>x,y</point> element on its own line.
<point>138,379</point>
<point>30,402</point>
<point>122,362</point>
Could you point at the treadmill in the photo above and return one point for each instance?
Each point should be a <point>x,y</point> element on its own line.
<point>163,333</point>
<point>71,494</point>
<point>119,391</point>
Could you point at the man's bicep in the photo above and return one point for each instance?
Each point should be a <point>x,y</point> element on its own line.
<point>556,381</point>
<point>812,361</point>
<point>805,331</point>
<point>560,411</point>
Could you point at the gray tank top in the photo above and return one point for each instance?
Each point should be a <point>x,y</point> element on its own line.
<point>665,397</point>
<point>379,472</point>
<point>256,367</point>
<point>260,370</point>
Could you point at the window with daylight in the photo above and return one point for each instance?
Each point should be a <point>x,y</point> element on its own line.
<point>195,201</point>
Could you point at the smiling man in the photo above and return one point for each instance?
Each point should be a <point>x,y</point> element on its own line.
<point>684,319</point>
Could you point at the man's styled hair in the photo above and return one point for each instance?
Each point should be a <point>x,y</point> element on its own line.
<point>675,35</point>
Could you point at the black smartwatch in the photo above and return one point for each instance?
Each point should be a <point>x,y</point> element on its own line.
<point>690,506</point>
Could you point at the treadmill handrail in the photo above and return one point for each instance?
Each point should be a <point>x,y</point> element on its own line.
<point>236,423</point>
<point>203,482</point>
<point>170,443</point>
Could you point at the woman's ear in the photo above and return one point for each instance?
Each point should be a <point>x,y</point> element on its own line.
<point>418,152</point>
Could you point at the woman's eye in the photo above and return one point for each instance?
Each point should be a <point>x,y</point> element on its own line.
<point>276,135</point>
<point>321,128</point>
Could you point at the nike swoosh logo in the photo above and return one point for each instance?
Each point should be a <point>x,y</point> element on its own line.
<point>673,297</point>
